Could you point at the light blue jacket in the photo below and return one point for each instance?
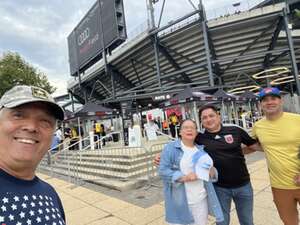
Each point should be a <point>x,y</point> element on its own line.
<point>176,205</point>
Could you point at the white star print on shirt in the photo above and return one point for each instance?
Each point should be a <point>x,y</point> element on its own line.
<point>5,200</point>
<point>22,214</point>
<point>24,210</point>
<point>11,217</point>
<point>13,207</point>
<point>31,213</point>
<point>24,205</point>
<point>38,219</point>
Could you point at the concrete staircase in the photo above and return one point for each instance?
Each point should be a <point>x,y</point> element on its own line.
<point>119,168</point>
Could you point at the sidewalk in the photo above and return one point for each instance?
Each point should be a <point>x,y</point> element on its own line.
<point>85,206</point>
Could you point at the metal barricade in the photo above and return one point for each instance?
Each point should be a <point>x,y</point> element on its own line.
<point>115,167</point>
<point>61,163</point>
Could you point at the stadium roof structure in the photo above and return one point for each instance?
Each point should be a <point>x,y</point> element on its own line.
<point>219,53</point>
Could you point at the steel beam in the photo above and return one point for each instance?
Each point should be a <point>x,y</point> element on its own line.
<point>135,71</point>
<point>78,97</point>
<point>249,46</point>
<point>157,63</point>
<point>177,53</point>
<point>244,23</point>
<point>146,65</point>
<point>124,98</point>
<point>216,66</point>
<point>273,42</point>
<point>164,51</point>
<point>165,76</point>
<point>104,86</point>
<point>249,56</point>
<point>281,55</point>
<point>150,90</point>
<point>121,78</point>
<point>95,94</point>
<point>208,54</point>
<point>173,22</point>
<point>292,51</point>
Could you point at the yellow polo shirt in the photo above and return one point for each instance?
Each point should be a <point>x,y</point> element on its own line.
<point>280,140</point>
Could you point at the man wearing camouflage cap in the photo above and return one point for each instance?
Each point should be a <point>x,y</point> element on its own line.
<point>28,118</point>
<point>279,135</point>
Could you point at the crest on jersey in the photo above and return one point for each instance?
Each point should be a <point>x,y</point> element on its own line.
<point>228,139</point>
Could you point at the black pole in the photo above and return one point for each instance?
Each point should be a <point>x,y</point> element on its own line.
<point>206,44</point>
<point>78,74</point>
<point>156,52</point>
<point>106,69</point>
<point>295,71</point>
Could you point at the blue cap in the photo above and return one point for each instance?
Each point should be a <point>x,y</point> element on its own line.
<point>269,91</point>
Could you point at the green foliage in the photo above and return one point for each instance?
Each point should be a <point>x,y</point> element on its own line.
<point>14,70</point>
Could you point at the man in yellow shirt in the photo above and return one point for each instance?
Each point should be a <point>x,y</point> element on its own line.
<point>279,135</point>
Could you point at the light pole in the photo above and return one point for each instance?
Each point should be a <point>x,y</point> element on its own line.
<point>150,7</point>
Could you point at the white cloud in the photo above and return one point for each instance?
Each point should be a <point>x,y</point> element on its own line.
<point>38,30</point>
<point>61,86</point>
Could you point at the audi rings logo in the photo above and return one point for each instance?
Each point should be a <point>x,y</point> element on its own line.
<point>83,36</point>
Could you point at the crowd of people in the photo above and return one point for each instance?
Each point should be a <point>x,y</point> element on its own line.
<point>168,126</point>
<point>68,137</point>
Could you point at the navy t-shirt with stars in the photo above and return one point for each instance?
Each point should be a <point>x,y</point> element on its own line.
<point>24,202</point>
<point>224,147</point>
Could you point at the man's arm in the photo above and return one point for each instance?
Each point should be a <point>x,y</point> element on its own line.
<point>252,148</point>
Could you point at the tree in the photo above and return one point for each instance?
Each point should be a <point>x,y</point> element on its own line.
<point>16,71</point>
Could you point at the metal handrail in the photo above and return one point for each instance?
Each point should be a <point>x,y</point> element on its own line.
<point>99,141</point>
<point>74,161</point>
<point>165,135</point>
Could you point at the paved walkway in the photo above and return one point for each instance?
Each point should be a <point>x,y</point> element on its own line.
<point>85,206</point>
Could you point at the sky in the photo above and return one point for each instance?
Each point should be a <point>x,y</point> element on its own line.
<point>38,29</point>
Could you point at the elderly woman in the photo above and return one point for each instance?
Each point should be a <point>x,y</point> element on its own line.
<point>186,170</point>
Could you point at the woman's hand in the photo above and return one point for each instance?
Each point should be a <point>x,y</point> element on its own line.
<point>297,179</point>
<point>212,172</point>
<point>156,159</point>
<point>189,177</point>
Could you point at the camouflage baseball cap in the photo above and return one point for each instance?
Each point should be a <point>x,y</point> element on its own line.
<point>23,94</point>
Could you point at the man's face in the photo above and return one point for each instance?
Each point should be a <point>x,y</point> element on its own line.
<point>271,105</point>
<point>188,131</point>
<point>210,120</point>
<point>25,135</point>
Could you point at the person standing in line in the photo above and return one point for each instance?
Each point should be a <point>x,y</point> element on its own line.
<point>185,169</point>
<point>173,123</point>
<point>60,137</point>
<point>279,135</point>
<point>28,117</point>
<point>103,134</point>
